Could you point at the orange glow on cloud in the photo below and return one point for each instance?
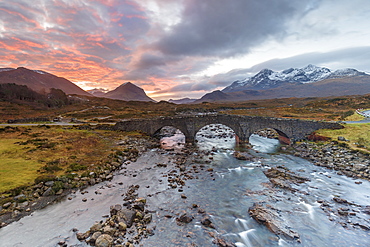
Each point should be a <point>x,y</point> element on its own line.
<point>97,52</point>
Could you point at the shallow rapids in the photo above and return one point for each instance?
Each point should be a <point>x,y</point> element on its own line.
<point>223,187</point>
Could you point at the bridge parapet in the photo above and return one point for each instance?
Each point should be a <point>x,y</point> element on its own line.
<point>243,126</point>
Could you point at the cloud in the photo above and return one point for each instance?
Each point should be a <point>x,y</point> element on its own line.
<point>353,57</point>
<point>80,40</point>
<point>174,46</point>
<point>225,29</point>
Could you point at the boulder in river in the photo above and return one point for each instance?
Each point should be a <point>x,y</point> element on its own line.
<point>270,217</point>
<point>184,218</point>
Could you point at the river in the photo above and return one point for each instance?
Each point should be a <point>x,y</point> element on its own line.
<point>224,188</point>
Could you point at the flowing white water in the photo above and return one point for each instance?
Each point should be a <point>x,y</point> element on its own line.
<point>226,196</point>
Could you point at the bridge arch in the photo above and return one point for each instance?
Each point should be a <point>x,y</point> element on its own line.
<point>217,136</point>
<point>274,133</point>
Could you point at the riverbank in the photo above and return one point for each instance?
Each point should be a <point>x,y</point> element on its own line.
<point>50,189</point>
<point>335,156</point>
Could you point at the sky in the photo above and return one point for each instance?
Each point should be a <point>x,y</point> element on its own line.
<point>181,48</point>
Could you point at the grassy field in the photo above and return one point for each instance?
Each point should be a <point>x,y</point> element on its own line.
<point>29,152</point>
<point>16,169</point>
<point>357,134</point>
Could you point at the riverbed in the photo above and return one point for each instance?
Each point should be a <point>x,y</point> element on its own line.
<point>218,186</point>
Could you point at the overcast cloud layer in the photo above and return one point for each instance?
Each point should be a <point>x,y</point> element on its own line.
<point>183,48</point>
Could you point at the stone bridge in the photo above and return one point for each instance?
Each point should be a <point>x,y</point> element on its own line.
<point>243,126</point>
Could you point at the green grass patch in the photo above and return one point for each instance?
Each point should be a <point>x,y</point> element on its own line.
<point>15,169</point>
<point>354,117</point>
<point>357,134</point>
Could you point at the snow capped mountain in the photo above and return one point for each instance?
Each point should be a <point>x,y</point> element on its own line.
<point>345,73</point>
<point>267,78</point>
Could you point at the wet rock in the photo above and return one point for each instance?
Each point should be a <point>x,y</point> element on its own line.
<point>184,218</point>
<point>219,241</point>
<point>62,243</point>
<point>366,210</point>
<point>104,240</point>
<point>270,217</point>
<point>206,221</point>
<point>240,156</point>
<point>343,211</point>
<point>339,200</point>
<point>283,177</point>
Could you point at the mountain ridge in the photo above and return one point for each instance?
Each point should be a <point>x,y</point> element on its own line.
<point>310,81</point>
<point>39,81</point>
<point>266,78</point>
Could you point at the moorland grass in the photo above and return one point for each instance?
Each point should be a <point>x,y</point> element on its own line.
<point>354,117</point>
<point>15,168</point>
<point>357,134</point>
<point>27,153</point>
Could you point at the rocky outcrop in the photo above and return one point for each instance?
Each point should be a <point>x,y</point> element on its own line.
<point>270,217</point>
<point>282,177</point>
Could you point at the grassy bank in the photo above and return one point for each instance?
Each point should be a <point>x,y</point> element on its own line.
<point>16,168</point>
<point>358,135</point>
<point>29,153</point>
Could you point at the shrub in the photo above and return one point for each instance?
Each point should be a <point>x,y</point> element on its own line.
<point>76,167</point>
<point>52,166</point>
<point>45,178</point>
<point>58,185</point>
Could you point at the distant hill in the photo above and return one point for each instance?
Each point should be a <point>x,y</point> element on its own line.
<point>214,97</point>
<point>98,92</point>
<point>128,92</point>
<point>310,81</point>
<point>39,81</point>
<point>182,101</point>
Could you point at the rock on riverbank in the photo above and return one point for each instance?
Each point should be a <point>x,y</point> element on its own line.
<point>345,161</point>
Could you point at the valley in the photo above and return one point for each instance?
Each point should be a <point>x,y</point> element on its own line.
<point>60,152</point>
